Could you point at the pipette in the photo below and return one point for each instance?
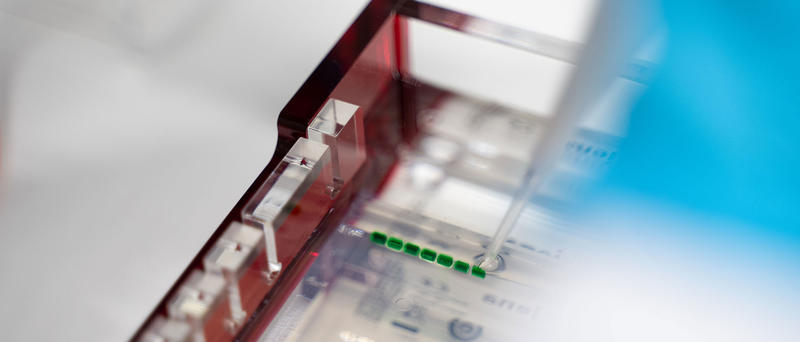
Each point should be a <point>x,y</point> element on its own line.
<point>609,44</point>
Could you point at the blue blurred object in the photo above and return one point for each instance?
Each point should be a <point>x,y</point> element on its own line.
<point>717,131</point>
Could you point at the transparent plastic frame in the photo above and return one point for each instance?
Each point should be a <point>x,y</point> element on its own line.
<point>374,137</point>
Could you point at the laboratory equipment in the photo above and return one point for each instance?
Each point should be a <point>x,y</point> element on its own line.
<point>398,164</point>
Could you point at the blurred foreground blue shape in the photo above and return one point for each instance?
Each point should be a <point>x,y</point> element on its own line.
<point>700,216</point>
<point>718,130</point>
